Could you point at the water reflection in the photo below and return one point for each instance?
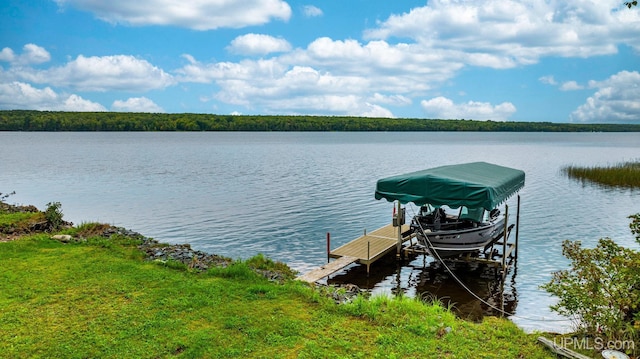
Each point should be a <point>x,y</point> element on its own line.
<point>424,277</point>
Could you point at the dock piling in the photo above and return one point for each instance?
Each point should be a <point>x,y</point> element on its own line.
<point>328,247</point>
<point>368,256</point>
<point>517,228</point>
<point>505,238</point>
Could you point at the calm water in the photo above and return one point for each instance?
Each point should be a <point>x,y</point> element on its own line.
<point>239,194</point>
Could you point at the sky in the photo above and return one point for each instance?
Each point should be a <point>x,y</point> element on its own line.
<point>499,60</point>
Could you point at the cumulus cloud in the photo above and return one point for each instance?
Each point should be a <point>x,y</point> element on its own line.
<point>617,100</point>
<point>509,33</point>
<point>397,100</point>
<point>273,87</point>
<point>409,54</point>
<point>323,74</point>
<point>136,104</point>
<point>570,86</point>
<point>311,11</point>
<point>565,86</point>
<point>444,108</point>
<point>19,95</point>
<point>258,44</point>
<point>119,72</point>
<point>376,111</point>
<point>548,80</point>
<point>31,54</point>
<point>192,14</point>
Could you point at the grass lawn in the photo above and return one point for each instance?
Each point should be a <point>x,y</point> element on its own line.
<point>101,298</point>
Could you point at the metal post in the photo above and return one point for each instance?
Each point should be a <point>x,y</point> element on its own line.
<point>328,247</point>
<point>517,227</point>
<point>368,256</point>
<point>399,245</point>
<point>504,240</point>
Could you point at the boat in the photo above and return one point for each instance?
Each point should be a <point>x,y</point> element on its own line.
<point>459,211</point>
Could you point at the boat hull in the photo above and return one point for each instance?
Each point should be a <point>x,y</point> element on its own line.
<point>461,241</point>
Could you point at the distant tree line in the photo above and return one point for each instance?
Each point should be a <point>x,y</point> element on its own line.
<point>27,120</point>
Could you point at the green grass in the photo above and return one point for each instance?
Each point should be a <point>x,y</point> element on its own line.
<point>626,174</point>
<point>90,299</point>
<point>19,221</point>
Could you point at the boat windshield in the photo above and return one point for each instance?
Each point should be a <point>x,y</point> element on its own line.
<point>472,214</point>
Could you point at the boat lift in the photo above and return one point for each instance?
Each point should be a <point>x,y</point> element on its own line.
<point>479,184</point>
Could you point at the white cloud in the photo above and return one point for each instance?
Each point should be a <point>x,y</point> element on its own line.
<point>616,101</point>
<point>410,54</point>
<point>19,95</point>
<point>509,33</point>
<point>444,108</point>
<point>548,80</point>
<point>565,86</point>
<point>136,104</point>
<point>31,54</point>
<point>119,72</point>
<point>274,88</point>
<point>34,54</point>
<point>396,68</point>
<point>376,111</point>
<point>571,86</point>
<point>323,74</point>
<point>192,14</point>
<point>311,11</point>
<point>397,100</point>
<point>7,55</point>
<point>258,44</point>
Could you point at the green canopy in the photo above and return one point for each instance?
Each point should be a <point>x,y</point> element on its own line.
<point>474,185</point>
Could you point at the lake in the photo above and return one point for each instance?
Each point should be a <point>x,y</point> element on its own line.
<point>278,193</point>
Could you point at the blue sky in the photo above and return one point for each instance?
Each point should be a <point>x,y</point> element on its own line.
<point>501,60</point>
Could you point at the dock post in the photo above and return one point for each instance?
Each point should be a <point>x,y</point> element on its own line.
<point>399,223</point>
<point>517,227</point>
<point>368,256</point>
<point>504,240</point>
<point>328,247</point>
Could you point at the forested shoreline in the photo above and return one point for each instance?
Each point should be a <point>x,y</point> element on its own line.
<point>29,120</point>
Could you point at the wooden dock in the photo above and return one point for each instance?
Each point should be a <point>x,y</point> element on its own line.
<point>365,249</point>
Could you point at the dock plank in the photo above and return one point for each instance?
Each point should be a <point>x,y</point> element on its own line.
<point>371,246</point>
<point>327,269</point>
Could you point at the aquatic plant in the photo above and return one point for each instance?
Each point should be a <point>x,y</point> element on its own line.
<point>625,174</point>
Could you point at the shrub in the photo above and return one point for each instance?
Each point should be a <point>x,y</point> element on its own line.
<point>635,226</point>
<point>53,215</point>
<point>601,290</point>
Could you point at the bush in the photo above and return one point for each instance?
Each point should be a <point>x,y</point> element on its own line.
<point>602,288</point>
<point>635,226</point>
<point>53,215</point>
